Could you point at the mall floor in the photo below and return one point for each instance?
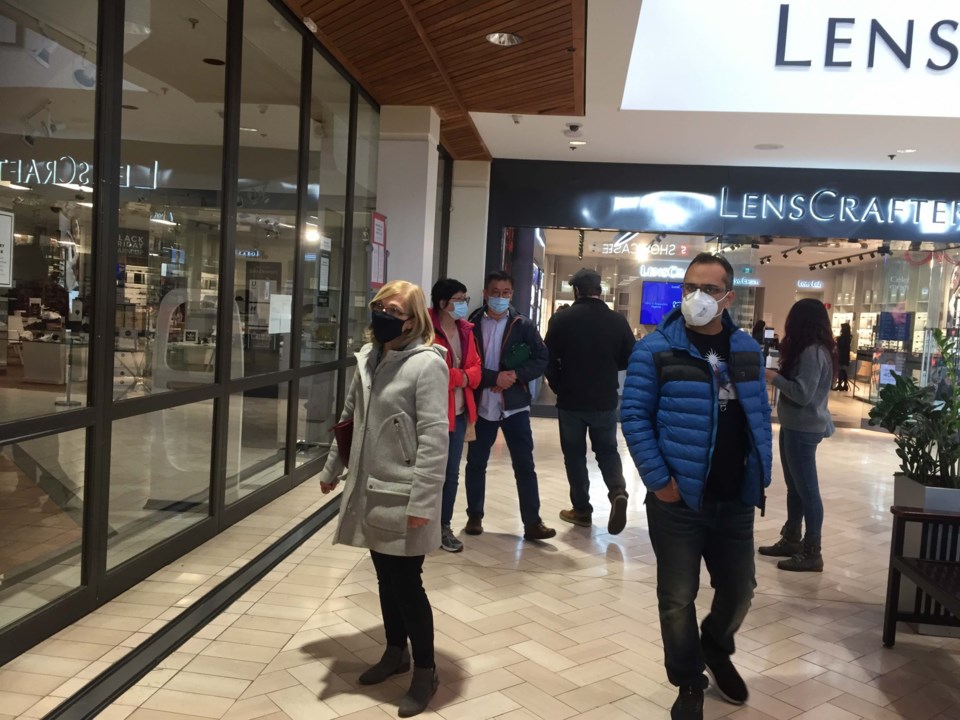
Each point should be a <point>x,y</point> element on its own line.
<point>561,629</point>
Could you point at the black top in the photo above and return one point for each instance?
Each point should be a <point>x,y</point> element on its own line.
<point>843,349</point>
<point>589,343</point>
<point>731,445</point>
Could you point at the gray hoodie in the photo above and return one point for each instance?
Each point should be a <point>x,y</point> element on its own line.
<point>398,457</point>
<point>803,399</point>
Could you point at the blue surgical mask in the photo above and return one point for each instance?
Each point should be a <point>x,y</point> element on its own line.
<point>498,305</point>
<point>458,310</point>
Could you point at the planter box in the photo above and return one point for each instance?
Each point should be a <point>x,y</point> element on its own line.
<point>912,494</point>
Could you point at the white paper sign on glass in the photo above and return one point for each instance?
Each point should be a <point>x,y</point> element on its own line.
<point>6,249</point>
<point>858,57</point>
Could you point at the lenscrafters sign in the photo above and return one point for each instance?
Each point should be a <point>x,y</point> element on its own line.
<point>857,57</point>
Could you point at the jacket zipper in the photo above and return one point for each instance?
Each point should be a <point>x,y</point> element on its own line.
<point>503,344</point>
<point>403,450</point>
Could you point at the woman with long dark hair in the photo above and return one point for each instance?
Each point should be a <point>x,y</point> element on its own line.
<point>844,342</point>
<point>808,367</point>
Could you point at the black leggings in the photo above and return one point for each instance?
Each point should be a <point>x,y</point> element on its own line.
<point>404,605</point>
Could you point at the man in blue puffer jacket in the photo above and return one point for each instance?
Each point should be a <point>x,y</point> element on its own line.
<point>696,418</point>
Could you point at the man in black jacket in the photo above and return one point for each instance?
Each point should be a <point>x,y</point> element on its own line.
<point>589,343</point>
<point>513,355</point>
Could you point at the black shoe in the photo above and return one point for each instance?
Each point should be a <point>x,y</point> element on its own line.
<point>422,689</point>
<point>394,662</point>
<point>618,515</point>
<point>781,548</point>
<point>727,680</point>
<point>474,525</point>
<point>807,559</point>
<point>689,704</point>
<point>538,531</point>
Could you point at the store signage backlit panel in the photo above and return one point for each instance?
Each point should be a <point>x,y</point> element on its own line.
<point>816,56</point>
<point>810,284</point>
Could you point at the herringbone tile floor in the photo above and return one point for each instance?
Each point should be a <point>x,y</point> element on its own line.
<point>568,628</point>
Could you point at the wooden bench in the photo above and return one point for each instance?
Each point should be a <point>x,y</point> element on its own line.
<point>936,574</point>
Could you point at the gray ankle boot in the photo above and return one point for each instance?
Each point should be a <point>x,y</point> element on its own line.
<point>787,546</point>
<point>422,689</point>
<point>395,660</point>
<point>808,559</point>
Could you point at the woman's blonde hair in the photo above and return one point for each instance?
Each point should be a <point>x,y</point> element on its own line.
<point>416,305</point>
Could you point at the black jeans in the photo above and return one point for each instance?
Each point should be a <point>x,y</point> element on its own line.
<point>602,426</point>
<point>404,605</point>
<point>722,534</point>
<point>519,438</point>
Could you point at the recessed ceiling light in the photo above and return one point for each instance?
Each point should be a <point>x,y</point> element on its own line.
<point>906,151</point>
<point>578,142</point>
<point>129,107</point>
<point>504,39</point>
<point>311,25</point>
<point>246,129</point>
<point>214,61</point>
<point>768,146</point>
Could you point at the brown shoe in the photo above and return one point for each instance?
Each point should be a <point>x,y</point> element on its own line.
<point>576,517</point>
<point>474,525</point>
<point>538,531</point>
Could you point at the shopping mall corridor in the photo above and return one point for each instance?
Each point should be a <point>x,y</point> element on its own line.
<point>561,629</point>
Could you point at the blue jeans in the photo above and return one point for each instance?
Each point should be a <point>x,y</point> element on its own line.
<point>452,479</point>
<point>519,438</point>
<point>722,534</point>
<point>798,455</point>
<point>602,426</point>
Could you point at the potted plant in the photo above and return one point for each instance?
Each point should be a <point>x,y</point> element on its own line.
<point>925,422</point>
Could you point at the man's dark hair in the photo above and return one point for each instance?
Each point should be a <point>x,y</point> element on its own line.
<point>444,289</point>
<point>498,275</point>
<point>705,258</point>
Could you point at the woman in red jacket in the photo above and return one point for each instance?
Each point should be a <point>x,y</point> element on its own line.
<point>450,304</point>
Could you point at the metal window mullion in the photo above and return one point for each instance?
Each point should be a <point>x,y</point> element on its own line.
<point>303,182</point>
<point>347,264</point>
<point>106,199</point>
<point>228,232</point>
<point>446,200</point>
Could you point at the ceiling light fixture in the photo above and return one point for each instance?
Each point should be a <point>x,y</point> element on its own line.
<point>217,62</point>
<point>12,186</point>
<point>504,39</point>
<point>309,22</point>
<point>578,143</point>
<point>768,146</point>
<point>906,151</point>
<point>129,107</point>
<point>248,129</point>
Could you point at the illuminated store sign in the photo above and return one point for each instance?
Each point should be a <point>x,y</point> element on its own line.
<point>810,284</point>
<point>747,282</point>
<point>655,250</point>
<point>665,272</point>
<point>827,205</point>
<point>816,56</point>
<point>73,174</point>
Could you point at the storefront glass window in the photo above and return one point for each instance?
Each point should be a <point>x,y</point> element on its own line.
<point>267,190</point>
<point>41,521</point>
<point>316,415</point>
<point>155,495</point>
<point>256,447</point>
<point>169,226</point>
<point>323,233</point>
<point>48,82</point>
<point>362,279</point>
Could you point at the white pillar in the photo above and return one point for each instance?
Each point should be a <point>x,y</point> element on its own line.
<point>407,190</point>
<point>470,200</point>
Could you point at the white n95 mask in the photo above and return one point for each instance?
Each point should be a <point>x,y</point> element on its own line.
<point>698,308</point>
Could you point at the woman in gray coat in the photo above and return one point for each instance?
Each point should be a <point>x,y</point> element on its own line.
<point>808,368</point>
<point>391,496</point>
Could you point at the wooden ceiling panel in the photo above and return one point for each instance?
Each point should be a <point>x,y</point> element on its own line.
<point>434,52</point>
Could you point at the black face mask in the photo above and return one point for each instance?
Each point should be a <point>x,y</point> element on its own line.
<point>386,327</point>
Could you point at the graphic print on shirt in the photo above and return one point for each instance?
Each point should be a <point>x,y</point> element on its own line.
<point>727,390</point>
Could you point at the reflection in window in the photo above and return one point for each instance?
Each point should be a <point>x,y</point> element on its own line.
<point>316,415</point>
<point>323,233</point>
<point>41,521</point>
<point>169,224</point>
<point>158,493</point>
<point>267,187</point>
<point>47,83</point>
<point>365,188</point>
<point>256,448</point>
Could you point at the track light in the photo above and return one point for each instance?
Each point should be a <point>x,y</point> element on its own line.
<point>812,268</point>
<point>873,255</point>
<point>849,261</point>
<point>799,251</point>
<point>784,256</point>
